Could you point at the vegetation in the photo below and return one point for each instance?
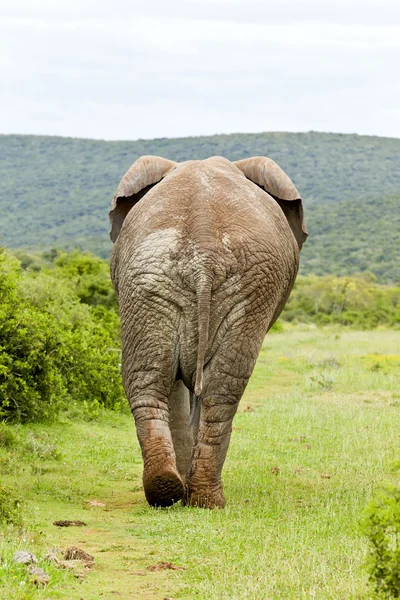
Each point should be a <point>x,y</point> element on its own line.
<point>353,301</point>
<point>382,525</point>
<point>57,345</point>
<point>317,434</point>
<point>10,506</point>
<point>354,235</point>
<point>56,191</point>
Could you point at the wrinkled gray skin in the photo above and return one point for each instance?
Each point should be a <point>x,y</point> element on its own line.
<point>203,262</point>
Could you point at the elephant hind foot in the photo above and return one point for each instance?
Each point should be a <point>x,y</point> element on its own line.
<point>205,498</point>
<point>164,488</point>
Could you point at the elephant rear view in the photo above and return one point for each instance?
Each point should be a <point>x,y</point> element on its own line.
<point>205,256</point>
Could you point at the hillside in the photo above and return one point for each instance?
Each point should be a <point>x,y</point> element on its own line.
<point>354,235</point>
<point>59,190</point>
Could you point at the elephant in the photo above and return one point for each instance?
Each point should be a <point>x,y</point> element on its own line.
<point>205,255</point>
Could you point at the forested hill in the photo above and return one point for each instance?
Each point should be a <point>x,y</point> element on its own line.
<point>56,191</point>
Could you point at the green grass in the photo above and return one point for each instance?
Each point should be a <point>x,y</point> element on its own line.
<point>316,435</point>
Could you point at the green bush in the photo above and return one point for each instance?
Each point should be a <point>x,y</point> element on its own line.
<point>357,302</point>
<point>10,506</point>
<point>277,327</point>
<point>53,348</point>
<point>90,276</point>
<point>8,438</point>
<point>382,526</point>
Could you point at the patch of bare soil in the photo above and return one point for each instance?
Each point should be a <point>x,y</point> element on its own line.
<point>67,523</point>
<point>95,503</point>
<point>165,565</point>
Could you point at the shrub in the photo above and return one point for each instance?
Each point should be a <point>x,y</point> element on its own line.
<point>277,327</point>
<point>53,348</point>
<point>382,526</point>
<point>8,438</point>
<point>357,302</point>
<point>90,276</point>
<point>10,506</point>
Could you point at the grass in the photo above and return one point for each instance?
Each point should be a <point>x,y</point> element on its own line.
<point>316,435</point>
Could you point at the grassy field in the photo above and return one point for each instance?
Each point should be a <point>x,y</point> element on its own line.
<point>316,435</point>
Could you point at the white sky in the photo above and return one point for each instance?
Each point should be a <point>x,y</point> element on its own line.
<point>128,69</point>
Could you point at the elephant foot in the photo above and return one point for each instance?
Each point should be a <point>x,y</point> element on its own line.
<point>205,498</point>
<point>163,488</point>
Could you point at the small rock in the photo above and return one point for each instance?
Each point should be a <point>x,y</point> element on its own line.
<point>75,553</point>
<point>25,558</point>
<point>40,577</point>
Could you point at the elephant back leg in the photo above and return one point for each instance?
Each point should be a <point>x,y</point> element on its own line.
<point>149,357</point>
<point>179,423</point>
<point>225,379</point>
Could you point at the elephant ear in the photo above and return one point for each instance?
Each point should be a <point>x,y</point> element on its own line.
<point>265,173</point>
<point>144,174</point>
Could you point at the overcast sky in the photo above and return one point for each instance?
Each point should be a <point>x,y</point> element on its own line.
<point>130,69</point>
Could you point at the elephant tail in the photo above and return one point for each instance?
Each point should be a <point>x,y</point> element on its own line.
<point>203,314</point>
